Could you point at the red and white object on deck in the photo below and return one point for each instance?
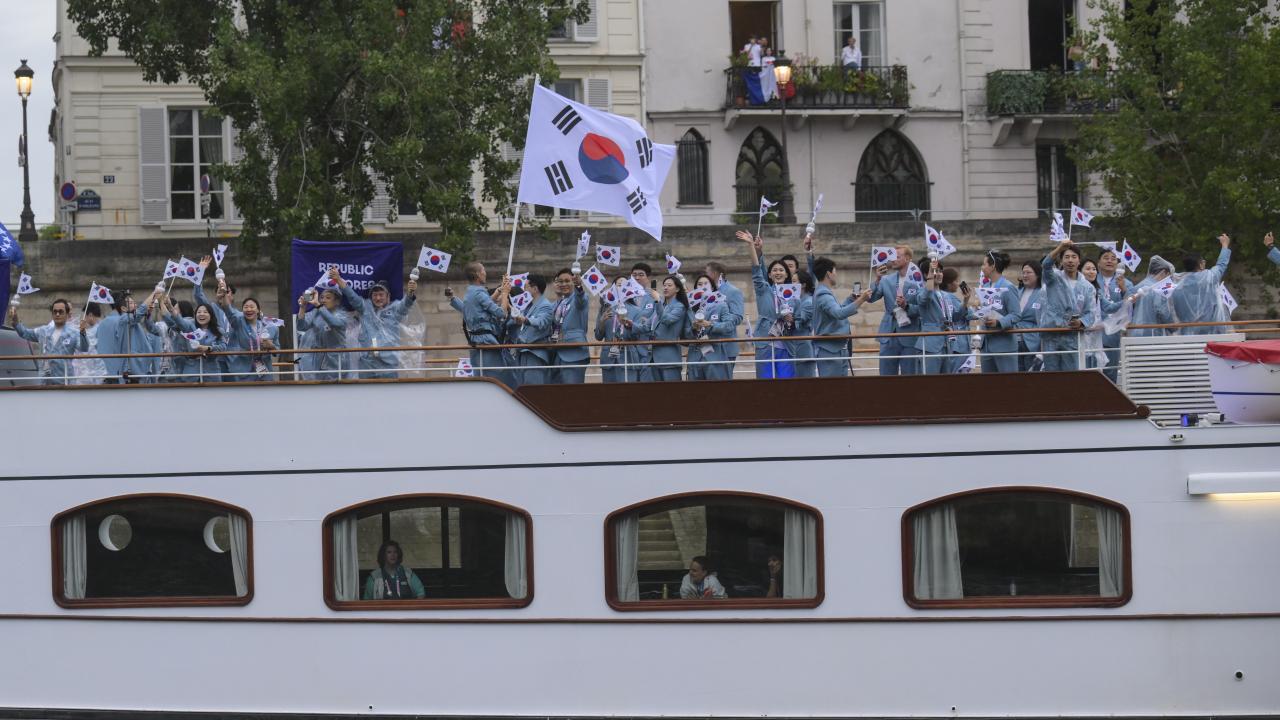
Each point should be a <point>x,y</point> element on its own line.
<point>1245,378</point>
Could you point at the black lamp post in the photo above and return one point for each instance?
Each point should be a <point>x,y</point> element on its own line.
<point>782,73</point>
<point>23,75</point>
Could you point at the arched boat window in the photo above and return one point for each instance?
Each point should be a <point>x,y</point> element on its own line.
<point>152,551</point>
<point>453,551</point>
<point>1011,547</point>
<point>709,551</point>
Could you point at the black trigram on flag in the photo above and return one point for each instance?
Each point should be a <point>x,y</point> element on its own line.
<point>644,148</point>
<point>566,120</point>
<point>558,176</point>
<point>637,200</point>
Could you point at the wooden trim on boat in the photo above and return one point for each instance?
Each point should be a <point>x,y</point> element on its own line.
<point>1020,601</point>
<point>676,500</point>
<point>426,604</point>
<point>59,595</point>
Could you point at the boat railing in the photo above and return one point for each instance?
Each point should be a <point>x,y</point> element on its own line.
<point>442,361</point>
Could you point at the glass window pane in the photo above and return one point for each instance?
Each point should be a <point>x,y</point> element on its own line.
<point>180,122</point>
<point>418,532</point>
<point>182,206</point>
<point>368,538</point>
<point>181,151</point>
<point>182,178</point>
<point>210,125</point>
<point>215,206</point>
<point>210,151</point>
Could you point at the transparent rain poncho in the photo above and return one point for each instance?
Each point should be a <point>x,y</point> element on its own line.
<point>1197,298</point>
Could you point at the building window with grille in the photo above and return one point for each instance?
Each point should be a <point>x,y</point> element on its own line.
<point>892,182</point>
<point>865,21</point>
<point>1057,180</point>
<point>196,143</point>
<point>759,170</point>
<point>691,159</point>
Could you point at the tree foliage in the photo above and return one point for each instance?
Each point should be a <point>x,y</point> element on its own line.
<point>1192,148</point>
<point>330,98</point>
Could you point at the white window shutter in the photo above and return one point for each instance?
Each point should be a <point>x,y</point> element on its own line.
<point>589,30</point>
<point>380,207</point>
<point>153,158</point>
<point>597,94</point>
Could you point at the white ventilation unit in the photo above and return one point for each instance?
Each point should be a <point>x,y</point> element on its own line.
<point>1170,375</point>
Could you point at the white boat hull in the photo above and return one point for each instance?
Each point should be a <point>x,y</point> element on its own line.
<point>1245,392</point>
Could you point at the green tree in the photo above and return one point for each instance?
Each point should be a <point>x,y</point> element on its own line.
<point>1192,148</point>
<point>331,98</point>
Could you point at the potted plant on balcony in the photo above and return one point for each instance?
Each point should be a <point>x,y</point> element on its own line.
<point>864,86</point>
<point>738,63</point>
<point>899,86</point>
<point>831,84</point>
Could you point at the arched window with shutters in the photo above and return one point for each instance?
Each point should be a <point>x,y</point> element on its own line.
<point>759,170</point>
<point>691,159</point>
<point>892,182</point>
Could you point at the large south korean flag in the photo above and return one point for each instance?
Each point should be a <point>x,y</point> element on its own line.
<point>580,158</point>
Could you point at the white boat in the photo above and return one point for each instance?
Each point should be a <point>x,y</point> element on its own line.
<point>1010,546</point>
<point>1245,377</point>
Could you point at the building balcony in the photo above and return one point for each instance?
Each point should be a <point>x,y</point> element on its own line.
<point>822,90</point>
<point>1039,92</point>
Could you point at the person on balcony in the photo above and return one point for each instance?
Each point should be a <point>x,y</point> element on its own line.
<point>850,55</point>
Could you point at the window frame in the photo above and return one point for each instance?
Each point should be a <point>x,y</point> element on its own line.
<point>59,594</point>
<point>224,138</point>
<point>1019,601</point>
<point>705,169</point>
<point>730,604</point>
<point>840,32</point>
<point>326,534</point>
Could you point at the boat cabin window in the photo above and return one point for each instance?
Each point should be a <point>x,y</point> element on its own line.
<point>714,551</point>
<point>153,550</point>
<point>1016,547</point>
<point>428,551</point>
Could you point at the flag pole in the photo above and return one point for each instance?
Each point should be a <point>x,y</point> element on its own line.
<point>515,222</point>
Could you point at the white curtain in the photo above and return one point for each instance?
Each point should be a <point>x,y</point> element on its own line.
<point>937,554</point>
<point>75,548</point>
<point>346,559</point>
<point>627,542</point>
<point>1110,553</point>
<point>515,572</point>
<point>799,555</point>
<point>238,530</point>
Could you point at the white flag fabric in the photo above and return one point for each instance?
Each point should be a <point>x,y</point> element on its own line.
<point>787,293</point>
<point>935,241</point>
<point>518,281</point>
<point>584,244</point>
<point>1165,287</point>
<point>100,294</point>
<point>219,252</point>
<point>699,297</point>
<point>633,289</point>
<point>521,301</point>
<point>608,255</point>
<point>433,259</point>
<point>464,369</point>
<point>1227,300</point>
<point>1057,233</point>
<point>612,295</point>
<point>969,364</point>
<point>765,205</point>
<point>1130,257</point>
<point>190,271</point>
<point>171,269</point>
<point>24,285</point>
<point>326,283</point>
<point>673,264</point>
<point>195,337</point>
<point>1080,216</point>
<point>580,158</point>
<point>816,207</point>
<point>1106,245</point>
<point>988,295</point>
<point>914,274</point>
<point>272,321</point>
<point>882,255</point>
<point>595,280</point>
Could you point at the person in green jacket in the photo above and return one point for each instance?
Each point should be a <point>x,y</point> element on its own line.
<point>391,580</point>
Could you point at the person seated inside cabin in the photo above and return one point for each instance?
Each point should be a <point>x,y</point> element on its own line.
<point>774,567</point>
<point>391,580</point>
<point>700,582</point>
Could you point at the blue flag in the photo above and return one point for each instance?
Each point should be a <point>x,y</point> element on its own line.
<point>360,263</point>
<point>4,286</point>
<point>10,249</point>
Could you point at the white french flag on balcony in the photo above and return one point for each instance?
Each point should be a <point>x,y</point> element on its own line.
<point>1080,216</point>
<point>580,158</point>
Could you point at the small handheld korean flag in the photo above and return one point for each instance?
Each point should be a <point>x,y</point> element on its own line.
<point>787,293</point>
<point>595,280</point>
<point>1080,216</point>
<point>272,321</point>
<point>24,285</point>
<point>464,369</point>
<point>612,296</point>
<point>326,283</point>
<point>882,255</point>
<point>1223,293</point>
<point>969,364</point>
<point>172,269</point>
<point>1057,233</point>
<point>914,274</point>
<point>1130,257</point>
<point>936,242</point>
<point>190,271</point>
<point>699,297</point>
<point>584,244</point>
<point>633,289</point>
<point>195,337</point>
<point>673,264</point>
<point>521,302</point>
<point>608,255</point>
<point>100,294</point>
<point>518,281</point>
<point>1165,287</point>
<point>580,158</point>
<point>433,259</point>
<point>219,252</point>
<point>816,207</point>
<point>765,204</point>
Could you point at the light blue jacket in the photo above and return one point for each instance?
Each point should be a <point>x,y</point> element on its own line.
<point>1196,299</point>
<point>194,364</point>
<point>933,318</point>
<point>1274,254</point>
<point>539,321</point>
<point>67,343</point>
<point>571,315</point>
<point>887,288</point>
<point>244,336</point>
<point>767,307</point>
<point>802,326</point>
<point>1151,308</point>
<point>322,328</point>
<point>1008,297</point>
<point>125,333</point>
<point>379,328</point>
<point>831,317</point>
<point>1064,297</point>
<point>1027,317</point>
<point>733,312</point>
<point>724,324</point>
<point>673,324</point>
<point>483,316</point>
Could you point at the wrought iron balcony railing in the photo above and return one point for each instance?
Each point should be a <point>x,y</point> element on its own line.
<point>1040,92</point>
<point>824,86</point>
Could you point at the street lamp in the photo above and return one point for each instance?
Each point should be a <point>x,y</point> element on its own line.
<point>782,73</point>
<point>23,76</point>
